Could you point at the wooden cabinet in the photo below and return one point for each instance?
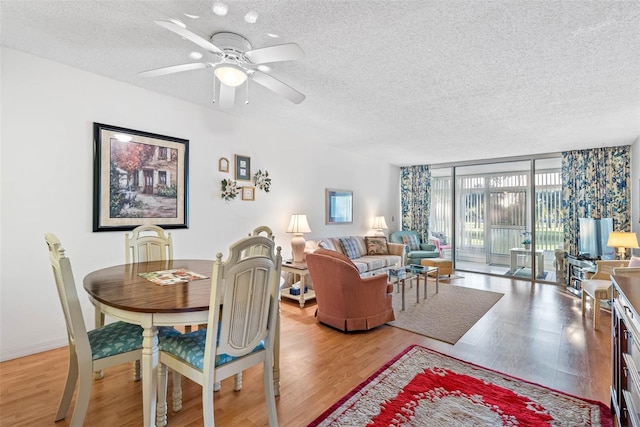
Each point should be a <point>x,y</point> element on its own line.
<point>625,382</point>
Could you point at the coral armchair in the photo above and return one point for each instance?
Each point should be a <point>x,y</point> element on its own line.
<point>345,300</point>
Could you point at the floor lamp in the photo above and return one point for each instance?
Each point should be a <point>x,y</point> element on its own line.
<point>298,225</point>
<point>622,240</point>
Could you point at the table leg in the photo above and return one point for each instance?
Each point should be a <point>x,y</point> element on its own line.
<point>402,293</point>
<point>425,274</point>
<point>418,287</point>
<point>437,279</point>
<point>149,374</point>
<point>514,262</point>
<point>301,292</point>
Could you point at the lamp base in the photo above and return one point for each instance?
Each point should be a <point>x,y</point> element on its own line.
<point>622,253</point>
<point>297,247</point>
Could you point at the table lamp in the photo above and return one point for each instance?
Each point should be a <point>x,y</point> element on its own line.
<point>622,241</point>
<point>379,224</point>
<point>297,226</point>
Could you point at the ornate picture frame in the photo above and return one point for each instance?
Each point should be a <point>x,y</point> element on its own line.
<point>139,177</point>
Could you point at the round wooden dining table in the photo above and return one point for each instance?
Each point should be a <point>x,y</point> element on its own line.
<point>122,293</point>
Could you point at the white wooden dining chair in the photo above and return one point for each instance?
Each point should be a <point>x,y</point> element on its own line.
<point>148,243</point>
<point>238,335</point>
<point>97,349</point>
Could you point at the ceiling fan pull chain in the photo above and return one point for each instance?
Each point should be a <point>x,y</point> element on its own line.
<point>246,99</point>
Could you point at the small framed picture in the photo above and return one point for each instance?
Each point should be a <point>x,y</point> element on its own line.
<point>223,164</point>
<point>243,168</point>
<point>248,193</point>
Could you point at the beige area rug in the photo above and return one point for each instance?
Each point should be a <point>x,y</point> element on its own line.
<point>445,316</point>
<point>447,278</point>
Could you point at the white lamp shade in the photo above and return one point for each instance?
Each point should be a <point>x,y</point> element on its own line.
<point>298,224</point>
<point>379,223</point>
<point>230,75</point>
<point>621,239</point>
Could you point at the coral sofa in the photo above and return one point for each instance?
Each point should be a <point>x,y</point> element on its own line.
<point>370,254</point>
<point>347,301</point>
<point>416,251</point>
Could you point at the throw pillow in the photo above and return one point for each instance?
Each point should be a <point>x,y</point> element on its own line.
<point>634,261</point>
<point>376,245</point>
<point>442,239</point>
<point>412,241</point>
<point>335,254</point>
<point>350,247</point>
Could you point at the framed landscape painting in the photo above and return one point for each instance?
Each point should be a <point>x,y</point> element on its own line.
<point>139,178</point>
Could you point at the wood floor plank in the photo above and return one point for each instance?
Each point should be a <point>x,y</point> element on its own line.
<point>535,332</point>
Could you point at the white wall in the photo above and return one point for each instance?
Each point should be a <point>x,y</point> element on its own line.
<point>47,113</point>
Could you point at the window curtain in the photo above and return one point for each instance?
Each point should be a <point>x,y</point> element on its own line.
<point>595,184</point>
<point>415,199</point>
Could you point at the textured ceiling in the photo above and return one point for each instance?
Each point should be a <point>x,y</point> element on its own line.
<point>409,82</point>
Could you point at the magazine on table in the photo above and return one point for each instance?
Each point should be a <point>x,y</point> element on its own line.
<point>169,277</point>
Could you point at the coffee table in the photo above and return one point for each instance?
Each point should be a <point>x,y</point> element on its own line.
<point>414,272</point>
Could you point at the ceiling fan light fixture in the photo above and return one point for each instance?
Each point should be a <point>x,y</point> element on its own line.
<point>251,17</point>
<point>230,75</point>
<point>220,8</point>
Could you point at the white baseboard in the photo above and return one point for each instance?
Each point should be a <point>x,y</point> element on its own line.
<point>27,351</point>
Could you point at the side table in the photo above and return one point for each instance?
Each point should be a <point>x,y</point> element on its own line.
<point>300,269</point>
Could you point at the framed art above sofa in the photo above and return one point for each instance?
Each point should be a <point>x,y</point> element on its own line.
<point>339,206</point>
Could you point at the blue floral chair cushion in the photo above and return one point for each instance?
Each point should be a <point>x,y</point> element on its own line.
<point>120,337</point>
<point>190,348</point>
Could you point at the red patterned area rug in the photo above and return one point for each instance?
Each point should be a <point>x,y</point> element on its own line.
<point>424,388</point>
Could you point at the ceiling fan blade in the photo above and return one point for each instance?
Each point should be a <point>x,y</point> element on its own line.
<point>227,96</point>
<point>175,28</point>
<point>278,87</point>
<point>173,69</point>
<point>282,52</point>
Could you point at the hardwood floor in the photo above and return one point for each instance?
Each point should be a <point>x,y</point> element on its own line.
<point>535,332</point>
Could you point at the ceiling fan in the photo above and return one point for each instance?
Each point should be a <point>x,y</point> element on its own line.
<point>236,62</point>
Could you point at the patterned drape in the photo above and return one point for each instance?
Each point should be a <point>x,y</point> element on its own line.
<point>595,184</point>
<point>415,186</point>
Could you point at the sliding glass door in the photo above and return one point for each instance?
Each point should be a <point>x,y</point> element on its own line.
<point>500,220</point>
